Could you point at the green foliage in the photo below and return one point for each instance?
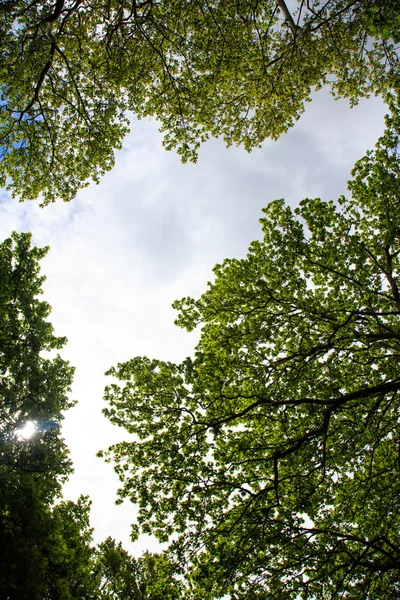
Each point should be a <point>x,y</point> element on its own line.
<point>270,460</point>
<point>45,550</point>
<point>382,19</point>
<point>242,70</point>
<point>122,577</point>
<point>34,386</point>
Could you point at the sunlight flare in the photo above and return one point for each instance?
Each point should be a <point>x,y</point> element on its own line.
<point>26,431</point>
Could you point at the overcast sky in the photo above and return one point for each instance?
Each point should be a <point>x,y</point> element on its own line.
<point>150,233</point>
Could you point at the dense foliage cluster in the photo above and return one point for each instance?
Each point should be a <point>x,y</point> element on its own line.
<point>240,69</point>
<point>270,460</point>
<point>47,552</point>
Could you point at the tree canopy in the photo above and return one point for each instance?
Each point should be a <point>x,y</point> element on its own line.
<point>123,577</point>
<point>270,460</point>
<point>44,548</point>
<point>47,550</point>
<point>71,69</point>
<point>34,383</point>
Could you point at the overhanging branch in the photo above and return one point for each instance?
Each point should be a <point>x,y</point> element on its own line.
<point>288,17</point>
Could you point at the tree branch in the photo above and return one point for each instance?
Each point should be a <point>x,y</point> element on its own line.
<point>288,17</point>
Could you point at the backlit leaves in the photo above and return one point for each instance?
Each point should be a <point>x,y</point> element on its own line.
<point>270,460</point>
<point>71,70</point>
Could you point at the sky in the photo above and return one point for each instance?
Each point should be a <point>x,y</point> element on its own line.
<point>150,233</point>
